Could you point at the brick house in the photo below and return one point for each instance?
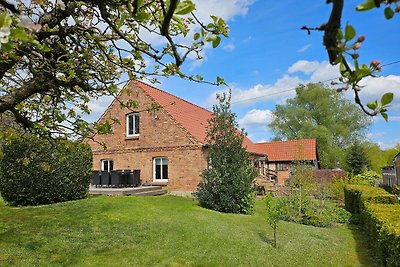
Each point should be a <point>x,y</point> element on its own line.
<point>282,154</point>
<point>166,144</point>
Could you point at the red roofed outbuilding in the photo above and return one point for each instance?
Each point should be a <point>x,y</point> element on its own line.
<point>281,154</point>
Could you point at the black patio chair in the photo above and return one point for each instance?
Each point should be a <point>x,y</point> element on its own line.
<point>95,178</point>
<point>114,178</point>
<point>129,178</point>
<point>136,178</point>
<point>105,178</point>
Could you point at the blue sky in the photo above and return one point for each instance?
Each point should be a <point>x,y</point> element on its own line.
<point>267,56</point>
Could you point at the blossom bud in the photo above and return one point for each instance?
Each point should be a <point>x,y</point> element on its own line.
<point>357,45</point>
<point>375,62</point>
<point>361,38</point>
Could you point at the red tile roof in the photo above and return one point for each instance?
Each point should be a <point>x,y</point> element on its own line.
<point>190,116</point>
<point>303,149</point>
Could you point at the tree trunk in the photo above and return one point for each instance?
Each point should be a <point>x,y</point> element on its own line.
<point>275,235</point>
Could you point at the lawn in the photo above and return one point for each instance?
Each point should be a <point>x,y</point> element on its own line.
<point>164,231</point>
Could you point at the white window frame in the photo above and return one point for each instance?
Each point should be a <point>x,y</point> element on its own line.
<point>154,169</point>
<point>134,115</point>
<point>109,165</point>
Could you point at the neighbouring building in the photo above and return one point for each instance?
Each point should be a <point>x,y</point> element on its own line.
<point>396,161</point>
<point>389,175</point>
<point>282,154</point>
<point>167,143</point>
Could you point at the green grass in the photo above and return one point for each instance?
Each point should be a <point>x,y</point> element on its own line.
<point>164,231</point>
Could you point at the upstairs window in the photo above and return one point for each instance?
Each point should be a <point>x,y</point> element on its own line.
<point>132,124</point>
<point>160,169</point>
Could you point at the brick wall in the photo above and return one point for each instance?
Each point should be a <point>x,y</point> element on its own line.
<point>160,136</point>
<point>397,166</point>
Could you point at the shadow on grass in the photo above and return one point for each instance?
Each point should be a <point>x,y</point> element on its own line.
<point>264,238</point>
<point>364,253</point>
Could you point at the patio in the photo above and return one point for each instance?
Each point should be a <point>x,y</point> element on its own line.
<point>127,191</point>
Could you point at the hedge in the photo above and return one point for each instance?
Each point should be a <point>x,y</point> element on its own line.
<point>381,223</point>
<point>36,172</point>
<point>356,195</point>
<point>379,216</point>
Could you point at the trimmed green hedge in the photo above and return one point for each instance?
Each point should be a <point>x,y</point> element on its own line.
<point>36,172</point>
<point>379,215</point>
<point>356,195</point>
<point>381,222</point>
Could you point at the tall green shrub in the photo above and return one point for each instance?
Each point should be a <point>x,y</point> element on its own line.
<point>357,195</point>
<point>36,172</point>
<point>227,185</point>
<point>381,223</point>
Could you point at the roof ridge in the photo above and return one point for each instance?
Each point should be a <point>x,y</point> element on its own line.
<point>305,139</point>
<point>190,103</point>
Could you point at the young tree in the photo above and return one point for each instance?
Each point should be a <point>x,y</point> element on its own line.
<point>356,159</point>
<point>274,214</point>
<point>319,112</point>
<point>227,185</point>
<point>57,55</point>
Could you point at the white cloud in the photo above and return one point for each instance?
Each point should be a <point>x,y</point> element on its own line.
<point>375,135</point>
<point>256,117</point>
<point>385,146</point>
<point>376,87</point>
<point>98,106</point>
<point>226,9</point>
<point>304,48</point>
<point>394,118</point>
<point>304,66</point>
<point>318,71</point>
<point>229,47</point>
<point>282,89</point>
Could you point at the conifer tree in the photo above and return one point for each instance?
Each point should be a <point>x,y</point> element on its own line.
<point>227,184</point>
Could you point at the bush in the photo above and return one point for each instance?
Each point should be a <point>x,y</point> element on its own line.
<point>36,172</point>
<point>381,222</point>
<point>312,212</point>
<point>357,195</point>
<point>367,178</point>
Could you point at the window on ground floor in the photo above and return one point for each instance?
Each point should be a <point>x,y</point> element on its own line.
<point>107,165</point>
<point>160,169</point>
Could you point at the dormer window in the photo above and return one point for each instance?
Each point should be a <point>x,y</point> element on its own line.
<point>132,125</point>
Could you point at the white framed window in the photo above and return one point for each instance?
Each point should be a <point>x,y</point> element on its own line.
<point>132,124</point>
<point>160,169</point>
<point>107,165</point>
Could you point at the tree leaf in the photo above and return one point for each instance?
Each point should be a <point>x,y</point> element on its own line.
<point>371,105</point>
<point>19,34</point>
<point>387,99</point>
<point>185,7</point>
<point>350,32</point>
<point>367,5</point>
<point>196,36</point>
<point>5,20</point>
<point>216,42</point>
<point>389,13</point>
<point>385,116</point>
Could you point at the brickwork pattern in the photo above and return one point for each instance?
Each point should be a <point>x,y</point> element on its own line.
<point>160,136</point>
